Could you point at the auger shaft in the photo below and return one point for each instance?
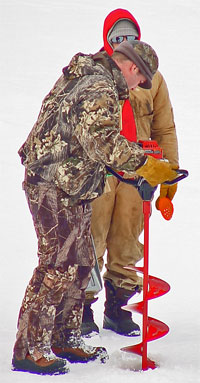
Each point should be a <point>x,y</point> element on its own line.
<point>147,212</point>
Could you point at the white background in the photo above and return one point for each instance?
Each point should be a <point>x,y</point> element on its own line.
<point>38,38</point>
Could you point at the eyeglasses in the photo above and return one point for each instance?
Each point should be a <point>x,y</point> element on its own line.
<point>119,39</point>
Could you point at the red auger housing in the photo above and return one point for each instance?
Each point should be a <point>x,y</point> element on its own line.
<point>151,148</point>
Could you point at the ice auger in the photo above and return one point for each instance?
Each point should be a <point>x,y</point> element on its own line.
<point>153,287</point>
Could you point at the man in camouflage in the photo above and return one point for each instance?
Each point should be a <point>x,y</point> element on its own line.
<point>65,156</point>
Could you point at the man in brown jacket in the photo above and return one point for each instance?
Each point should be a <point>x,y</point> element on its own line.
<point>117,216</point>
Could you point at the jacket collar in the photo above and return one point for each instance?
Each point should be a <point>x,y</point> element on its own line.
<point>105,60</point>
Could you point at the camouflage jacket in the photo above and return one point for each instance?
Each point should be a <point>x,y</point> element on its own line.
<point>77,131</point>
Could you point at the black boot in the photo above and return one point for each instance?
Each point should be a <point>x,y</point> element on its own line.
<point>88,327</point>
<point>115,318</point>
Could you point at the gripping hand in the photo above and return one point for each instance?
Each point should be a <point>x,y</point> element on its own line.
<point>156,172</point>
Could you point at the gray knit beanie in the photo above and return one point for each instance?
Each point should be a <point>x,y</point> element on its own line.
<point>123,28</point>
<point>144,57</point>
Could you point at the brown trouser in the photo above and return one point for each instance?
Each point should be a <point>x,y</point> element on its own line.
<point>53,300</point>
<point>117,222</point>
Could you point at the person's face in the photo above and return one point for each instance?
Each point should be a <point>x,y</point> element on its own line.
<point>132,75</point>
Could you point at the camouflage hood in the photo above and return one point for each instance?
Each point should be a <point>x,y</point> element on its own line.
<point>77,131</point>
<point>81,65</point>
<point>98,64</point>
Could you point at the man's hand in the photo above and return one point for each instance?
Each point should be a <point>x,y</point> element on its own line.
<point>156,171</point>
<point>168,191</point>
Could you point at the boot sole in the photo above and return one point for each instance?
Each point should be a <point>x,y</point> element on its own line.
<point>108,324</point>
<point>58,368</point>
<point>89,330</point>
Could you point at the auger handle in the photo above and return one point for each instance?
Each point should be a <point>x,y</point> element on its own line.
<point>183,174</point>
<point>145,190</point>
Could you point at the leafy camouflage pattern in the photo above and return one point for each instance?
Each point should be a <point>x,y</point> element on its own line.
<point>56,290</point>
<point>77,131</point>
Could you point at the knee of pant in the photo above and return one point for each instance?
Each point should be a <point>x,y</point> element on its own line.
<point>59,278</point>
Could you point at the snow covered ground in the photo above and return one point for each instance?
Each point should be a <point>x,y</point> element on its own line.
<point>38,38</point>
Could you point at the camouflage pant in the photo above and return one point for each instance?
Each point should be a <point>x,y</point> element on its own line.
<point>52,304</point>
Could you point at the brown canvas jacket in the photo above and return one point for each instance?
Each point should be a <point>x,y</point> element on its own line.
<point>154,117</point>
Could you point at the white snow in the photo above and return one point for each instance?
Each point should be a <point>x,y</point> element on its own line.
<point>38,38</point>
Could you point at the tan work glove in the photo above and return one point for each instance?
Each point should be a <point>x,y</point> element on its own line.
<point>156,172</point>
<point>168,191</point>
